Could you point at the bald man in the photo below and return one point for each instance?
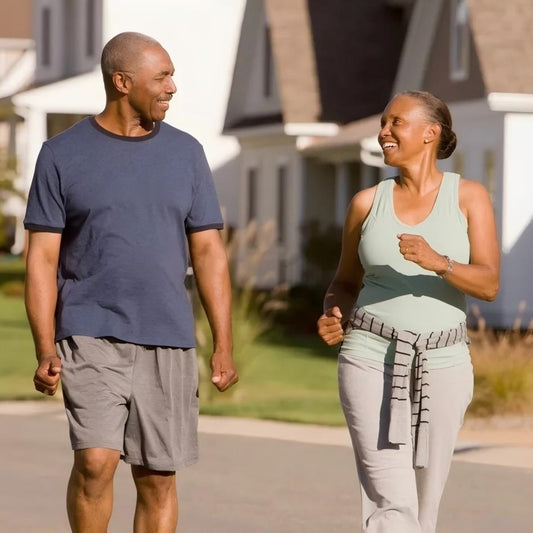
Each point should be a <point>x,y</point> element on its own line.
<point>117,204</point>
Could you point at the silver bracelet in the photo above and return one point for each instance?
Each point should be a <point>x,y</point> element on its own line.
<point>449,269</point>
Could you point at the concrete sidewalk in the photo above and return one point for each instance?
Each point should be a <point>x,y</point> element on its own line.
<point>503,441</point>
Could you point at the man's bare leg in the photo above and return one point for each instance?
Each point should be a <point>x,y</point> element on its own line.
<point>157,501</point>
<point>90,489</point>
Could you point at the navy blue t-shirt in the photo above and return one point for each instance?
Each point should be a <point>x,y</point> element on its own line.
<point>124,206</point>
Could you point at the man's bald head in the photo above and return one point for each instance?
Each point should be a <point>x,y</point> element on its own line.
<point>122,54</point>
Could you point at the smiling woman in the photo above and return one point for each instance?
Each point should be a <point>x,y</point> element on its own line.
<point>423,240</point>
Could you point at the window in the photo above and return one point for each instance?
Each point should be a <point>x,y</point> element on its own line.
<point>267,66</point>
<point>282,204</point>
<point>252,194</point>
<point>460,41</point>
<point>91,19</point>
<point>46,36</point>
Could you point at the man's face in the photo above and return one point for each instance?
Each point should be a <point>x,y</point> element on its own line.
<point>152,85</point>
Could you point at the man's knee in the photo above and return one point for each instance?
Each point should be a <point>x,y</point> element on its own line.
<point>154,486</point>
<point>96,465</point>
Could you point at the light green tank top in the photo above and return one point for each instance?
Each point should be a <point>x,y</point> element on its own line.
<point>401,293</point>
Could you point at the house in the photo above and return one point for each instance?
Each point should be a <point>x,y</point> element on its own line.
<point>310,81</point>
<point>309,78</point>
<point>477,56</point>
<point>61,41</point>
<point>201,38</point>
<point>17,65</point>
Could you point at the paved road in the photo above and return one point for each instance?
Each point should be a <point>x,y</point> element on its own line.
<point>244,485</point>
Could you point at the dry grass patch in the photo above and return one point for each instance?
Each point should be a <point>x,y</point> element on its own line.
<point>503,370</point>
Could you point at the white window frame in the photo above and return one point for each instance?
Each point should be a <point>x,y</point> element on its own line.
<point>459,41</point>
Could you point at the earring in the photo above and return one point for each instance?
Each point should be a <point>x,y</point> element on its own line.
<point>426,141</point>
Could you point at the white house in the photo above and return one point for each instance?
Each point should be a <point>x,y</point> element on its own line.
<point>304,72</point>
<point>476,55</point>
<point>17,67</point>
<point>201,38</point>
<point>310,80</point>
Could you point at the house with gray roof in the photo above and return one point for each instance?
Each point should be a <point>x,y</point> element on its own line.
<point>311,79</point>
<point>307,75</point>
<point>478,56</point>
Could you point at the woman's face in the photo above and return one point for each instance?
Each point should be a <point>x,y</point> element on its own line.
<point>404,126</point>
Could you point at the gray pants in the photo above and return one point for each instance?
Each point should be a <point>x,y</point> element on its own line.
<point>396,498</point>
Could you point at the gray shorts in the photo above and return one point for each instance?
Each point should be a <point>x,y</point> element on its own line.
<point>140,400</point>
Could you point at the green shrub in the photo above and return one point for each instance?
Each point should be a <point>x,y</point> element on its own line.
<point>12,268</point>
<point>13,289</point>
<point>250,317</point>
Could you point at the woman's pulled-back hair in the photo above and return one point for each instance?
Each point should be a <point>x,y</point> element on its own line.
<point>437,112</point>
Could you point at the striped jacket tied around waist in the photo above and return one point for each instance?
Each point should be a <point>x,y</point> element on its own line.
<point>411,352</point>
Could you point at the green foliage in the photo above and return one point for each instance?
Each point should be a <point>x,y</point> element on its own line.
<point>322,249</point>
<point>11,269</point>
<point>8,177</point>
<point>248,325</point>
<point>245,251</point>
<point>297,309</point>
<point>13,289</point>
<point>290,378</point>
<point>17,359</point>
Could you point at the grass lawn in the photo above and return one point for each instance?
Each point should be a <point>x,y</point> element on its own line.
<point>17,359</point>
<point>282,379</point>
<point>292,379</point>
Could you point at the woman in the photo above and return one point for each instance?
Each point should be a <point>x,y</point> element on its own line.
<point>412,247</point>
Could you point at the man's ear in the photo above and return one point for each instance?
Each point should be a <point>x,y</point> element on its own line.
<point>122,82</point>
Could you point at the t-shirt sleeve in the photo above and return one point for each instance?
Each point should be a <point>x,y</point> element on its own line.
<point>45,210</point>
<point>205,209</point>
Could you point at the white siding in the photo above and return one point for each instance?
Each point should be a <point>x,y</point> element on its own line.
<point>266,159</point>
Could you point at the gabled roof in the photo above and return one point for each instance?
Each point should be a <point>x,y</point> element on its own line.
<point>502,46</point>
<point>296,71</point>
<point>16,19</point>
<point>335,61</point>
<point>503,36</point>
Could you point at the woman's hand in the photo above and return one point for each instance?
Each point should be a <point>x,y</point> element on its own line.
<point>330,326</point>
<point>415,248</point>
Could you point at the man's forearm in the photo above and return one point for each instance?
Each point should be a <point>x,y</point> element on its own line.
<point>41,299</point>
<point>211,272</point>
<point>215,293</point>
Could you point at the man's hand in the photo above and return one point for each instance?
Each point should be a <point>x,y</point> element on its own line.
<point>223,372</point>
<point>330,326</point>
<point>46,378</point>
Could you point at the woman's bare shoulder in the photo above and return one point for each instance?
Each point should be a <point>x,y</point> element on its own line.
<point>471,191</point>
<point>361,203</point>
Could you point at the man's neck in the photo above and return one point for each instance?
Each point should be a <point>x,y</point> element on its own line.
<point>126,126</point>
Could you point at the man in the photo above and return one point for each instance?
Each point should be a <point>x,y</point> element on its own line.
<point>115,203</point>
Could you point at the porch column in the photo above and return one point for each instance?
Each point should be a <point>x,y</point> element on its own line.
<point>29,141</point>
<point>34,134</point>
<point>367,177</point>
<point>342,196</point>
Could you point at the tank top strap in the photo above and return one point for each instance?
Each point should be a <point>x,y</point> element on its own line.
<point>448,198</point>
<point>382,203</point>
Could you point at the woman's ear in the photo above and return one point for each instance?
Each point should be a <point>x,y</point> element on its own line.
<point>432,132</point>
